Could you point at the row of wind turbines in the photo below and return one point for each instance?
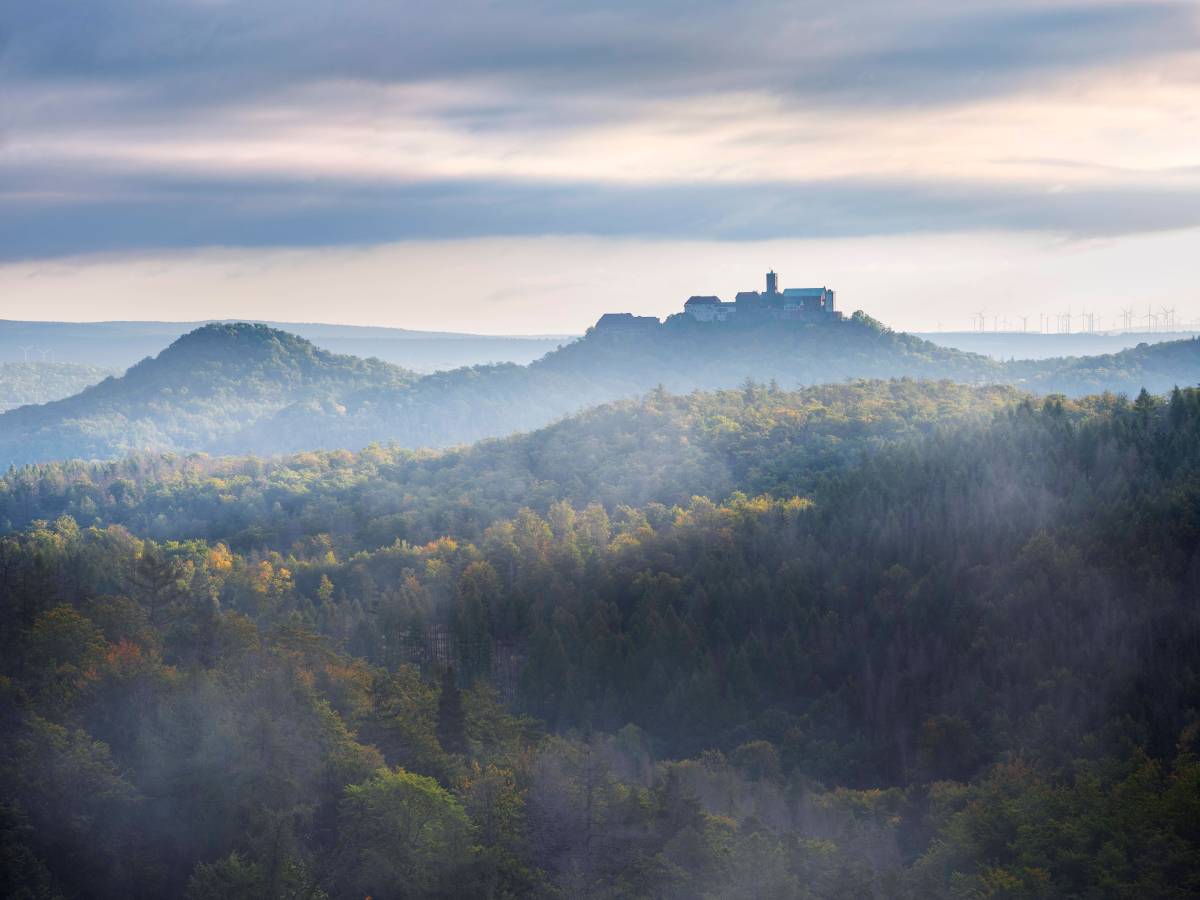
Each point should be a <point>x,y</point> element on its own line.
<point>1089,322</point>
<point>44,352</point>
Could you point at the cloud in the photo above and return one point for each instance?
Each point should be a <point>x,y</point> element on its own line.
<point>881,51</point>
<point>175,123</point>
<point>179,213</point>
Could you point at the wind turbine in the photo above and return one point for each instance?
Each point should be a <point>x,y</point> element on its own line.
<point>26,350</point>
<point>1024,323</point>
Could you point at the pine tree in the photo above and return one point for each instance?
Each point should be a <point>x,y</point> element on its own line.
<point>451,720</point>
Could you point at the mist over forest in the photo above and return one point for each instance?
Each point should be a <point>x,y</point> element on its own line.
<point>771,584</point>
<point>817,611</point>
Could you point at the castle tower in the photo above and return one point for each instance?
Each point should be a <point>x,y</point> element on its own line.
<point>772,282</point>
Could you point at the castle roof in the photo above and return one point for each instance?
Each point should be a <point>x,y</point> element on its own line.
<point>701,298</point>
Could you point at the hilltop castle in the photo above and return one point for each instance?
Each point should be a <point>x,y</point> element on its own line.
<point>804,304</point>
<point>790,303</point>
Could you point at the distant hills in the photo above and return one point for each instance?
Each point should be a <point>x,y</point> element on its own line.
<point>1155,367</point>
<point>469,404</point>
<point>241,388</point>
<point>118,345</point>
<point>1008,345</point>
<point>485,401</point>
<point>22,383</point>
<point>121,344</point>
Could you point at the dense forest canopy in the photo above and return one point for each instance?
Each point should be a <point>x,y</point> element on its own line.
<point>891,639</point>
<point>743,596</point>
<point>236,389</point>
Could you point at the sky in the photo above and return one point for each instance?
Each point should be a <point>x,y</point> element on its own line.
<point>523,166</point>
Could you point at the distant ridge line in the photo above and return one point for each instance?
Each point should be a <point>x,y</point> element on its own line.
<point>380,330</point>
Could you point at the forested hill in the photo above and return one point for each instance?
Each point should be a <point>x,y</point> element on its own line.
<point>209,384</point>
<point>683,354</point>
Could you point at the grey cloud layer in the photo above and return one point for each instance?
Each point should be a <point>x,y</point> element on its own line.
<point>872,51</point>
<point>171,213</point>
<point>166,59</point>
